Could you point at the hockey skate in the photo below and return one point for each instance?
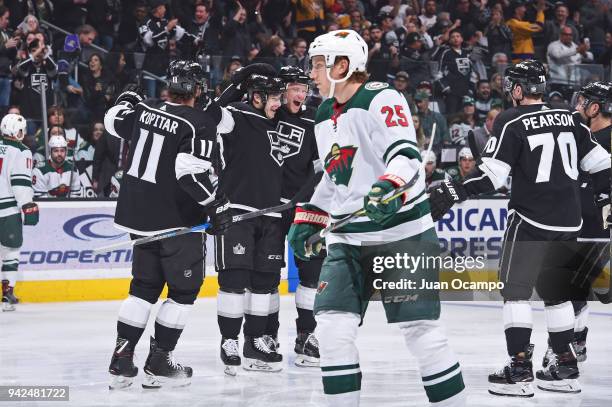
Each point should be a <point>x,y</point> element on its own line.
<point>122,367</point>
<point>561,375</point>
<point>516,378</point>
<point>260,356</point>
<point>8,297</point>
<point>580,345</point>
<point>230,355</point>
<point>549,356</point>
<point>162,371</point>
<point>306,350</point>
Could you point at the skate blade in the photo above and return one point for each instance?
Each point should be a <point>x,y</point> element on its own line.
<point>511,390</point>
<point>230,370</point>
<point>306,361</point>
<point>156,382</point>
<point>560,386</point>
<point>260,366</point>
<point>120,382</point>
<point>8,307</point>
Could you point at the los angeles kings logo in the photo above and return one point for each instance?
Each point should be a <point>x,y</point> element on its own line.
<point>285,141</point>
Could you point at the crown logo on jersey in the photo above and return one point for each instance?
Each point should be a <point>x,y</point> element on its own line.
<point>239,249</point>
<point>338,163</point>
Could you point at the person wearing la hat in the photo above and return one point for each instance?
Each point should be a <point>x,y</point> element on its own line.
<point>428,118</point>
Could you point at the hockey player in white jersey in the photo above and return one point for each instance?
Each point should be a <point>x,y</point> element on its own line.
<point>15,198</point>
<point>57,178</point>
<point>366,136</point>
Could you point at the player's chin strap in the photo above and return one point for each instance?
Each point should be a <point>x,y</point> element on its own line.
<point>333,82</point>
<point>301,194</point>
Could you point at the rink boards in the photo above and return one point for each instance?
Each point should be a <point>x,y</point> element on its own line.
<point>57,262</point>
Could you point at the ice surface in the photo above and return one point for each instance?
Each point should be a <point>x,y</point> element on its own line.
<point>71,344</point>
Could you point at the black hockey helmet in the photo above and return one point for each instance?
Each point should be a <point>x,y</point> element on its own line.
<point>264,85</point>
<point>184,76</point>
<point>530,75</point>
<point>293,74</point>
<point>598,92</point>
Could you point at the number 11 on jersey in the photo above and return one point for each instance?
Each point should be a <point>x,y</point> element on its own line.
<point>152,159</point>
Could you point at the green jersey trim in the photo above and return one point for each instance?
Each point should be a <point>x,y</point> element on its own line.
<point>8,204</point>
<point>13,143</point>
<point>21,183</point>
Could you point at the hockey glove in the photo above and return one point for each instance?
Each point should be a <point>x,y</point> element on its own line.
<point>219,215</point>
<point>131,95</point>
<point>308,221</point>
<point>444,196</point>
<point>30,214</point>
<point>243,73</point>
<point>377,210</point>
<point>603,201</point>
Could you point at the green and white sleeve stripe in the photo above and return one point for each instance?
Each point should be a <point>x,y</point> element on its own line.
<point>22,180</point>
<point>402,147</point>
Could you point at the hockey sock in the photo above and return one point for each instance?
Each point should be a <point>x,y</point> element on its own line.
<point>581,313</point>
<point>170,322</point>
<point>10,264</point>
<point>560,323</point>
<point>272,323</point>
<point>304,303</point>
<point>256,308</point>
<point>518,323</point>
<point>439,367</point>
<point>133,317</point>
<point>230,310</point>
<point>337,333</point>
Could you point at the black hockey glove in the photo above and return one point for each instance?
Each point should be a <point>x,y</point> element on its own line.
<point>131,95</point>
<point>242,74</point>
<point>444,196</point>
<point>219,215</point>
<point>602,201</point>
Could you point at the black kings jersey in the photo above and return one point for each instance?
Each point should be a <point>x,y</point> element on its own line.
<point>544,147</point>
<point>253,154</point>
<point>592,222</point>
<point>170,176</point>
<point>298,129</point>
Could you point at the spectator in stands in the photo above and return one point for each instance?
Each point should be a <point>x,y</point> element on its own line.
<point>119,73</point>
<point>466,164</point>
<point>87,147</point>
<point>56,116</point>
<point>9,42</point>
<point>310,17</point>
<point>401,83</point>
<point>87,36</point>
<point>396,12</point>
<point>497,90</point>
<point>429,16</point>
<point>456,69</point>
<point>552,28</point>
<point>420,134</point>
<point>98,88</point>
<point>484,101</point>
<point>273,53</point>
<point>298,57</point>
<point>498,34</point>
<point>234,63</point>
<point>236,35</point>
<point>383,59</point>
<point>562,54</point>
<point>128,34</point>
<point>523,31</point>
<point>606,56</point>
<point>428,118</point>
<point>155,35</point>
<point>206,28</point>
<point>462,122</point>
<point>103,15</point>
<point>595,16</point>
<point>414,59</point>
<point>39,67</point>
<point>499,62</point>
<point>482,134</point>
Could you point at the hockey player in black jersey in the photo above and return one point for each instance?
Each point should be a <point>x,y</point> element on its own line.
<point>594,103</point>
<point>544,146</point>
<point>170,183</point>
<point>250,254</point>
<point>296,123</point>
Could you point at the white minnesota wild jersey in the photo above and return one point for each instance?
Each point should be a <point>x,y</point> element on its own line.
<point>372,134</point>
<point>51,182</point>
<point>15,177</point>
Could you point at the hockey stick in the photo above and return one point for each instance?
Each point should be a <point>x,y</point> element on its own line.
<point>306,188</point>
<point>472,144</point>
<point>388,198</point>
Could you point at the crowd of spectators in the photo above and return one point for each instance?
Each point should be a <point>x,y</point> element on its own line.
<point>446,57</point>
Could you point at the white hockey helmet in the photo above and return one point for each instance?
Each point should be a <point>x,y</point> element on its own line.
<point>340,43</point>
<point>57,142</point>
<point>14,126</point>
<point>465,152</point>
<point>428,157</point>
